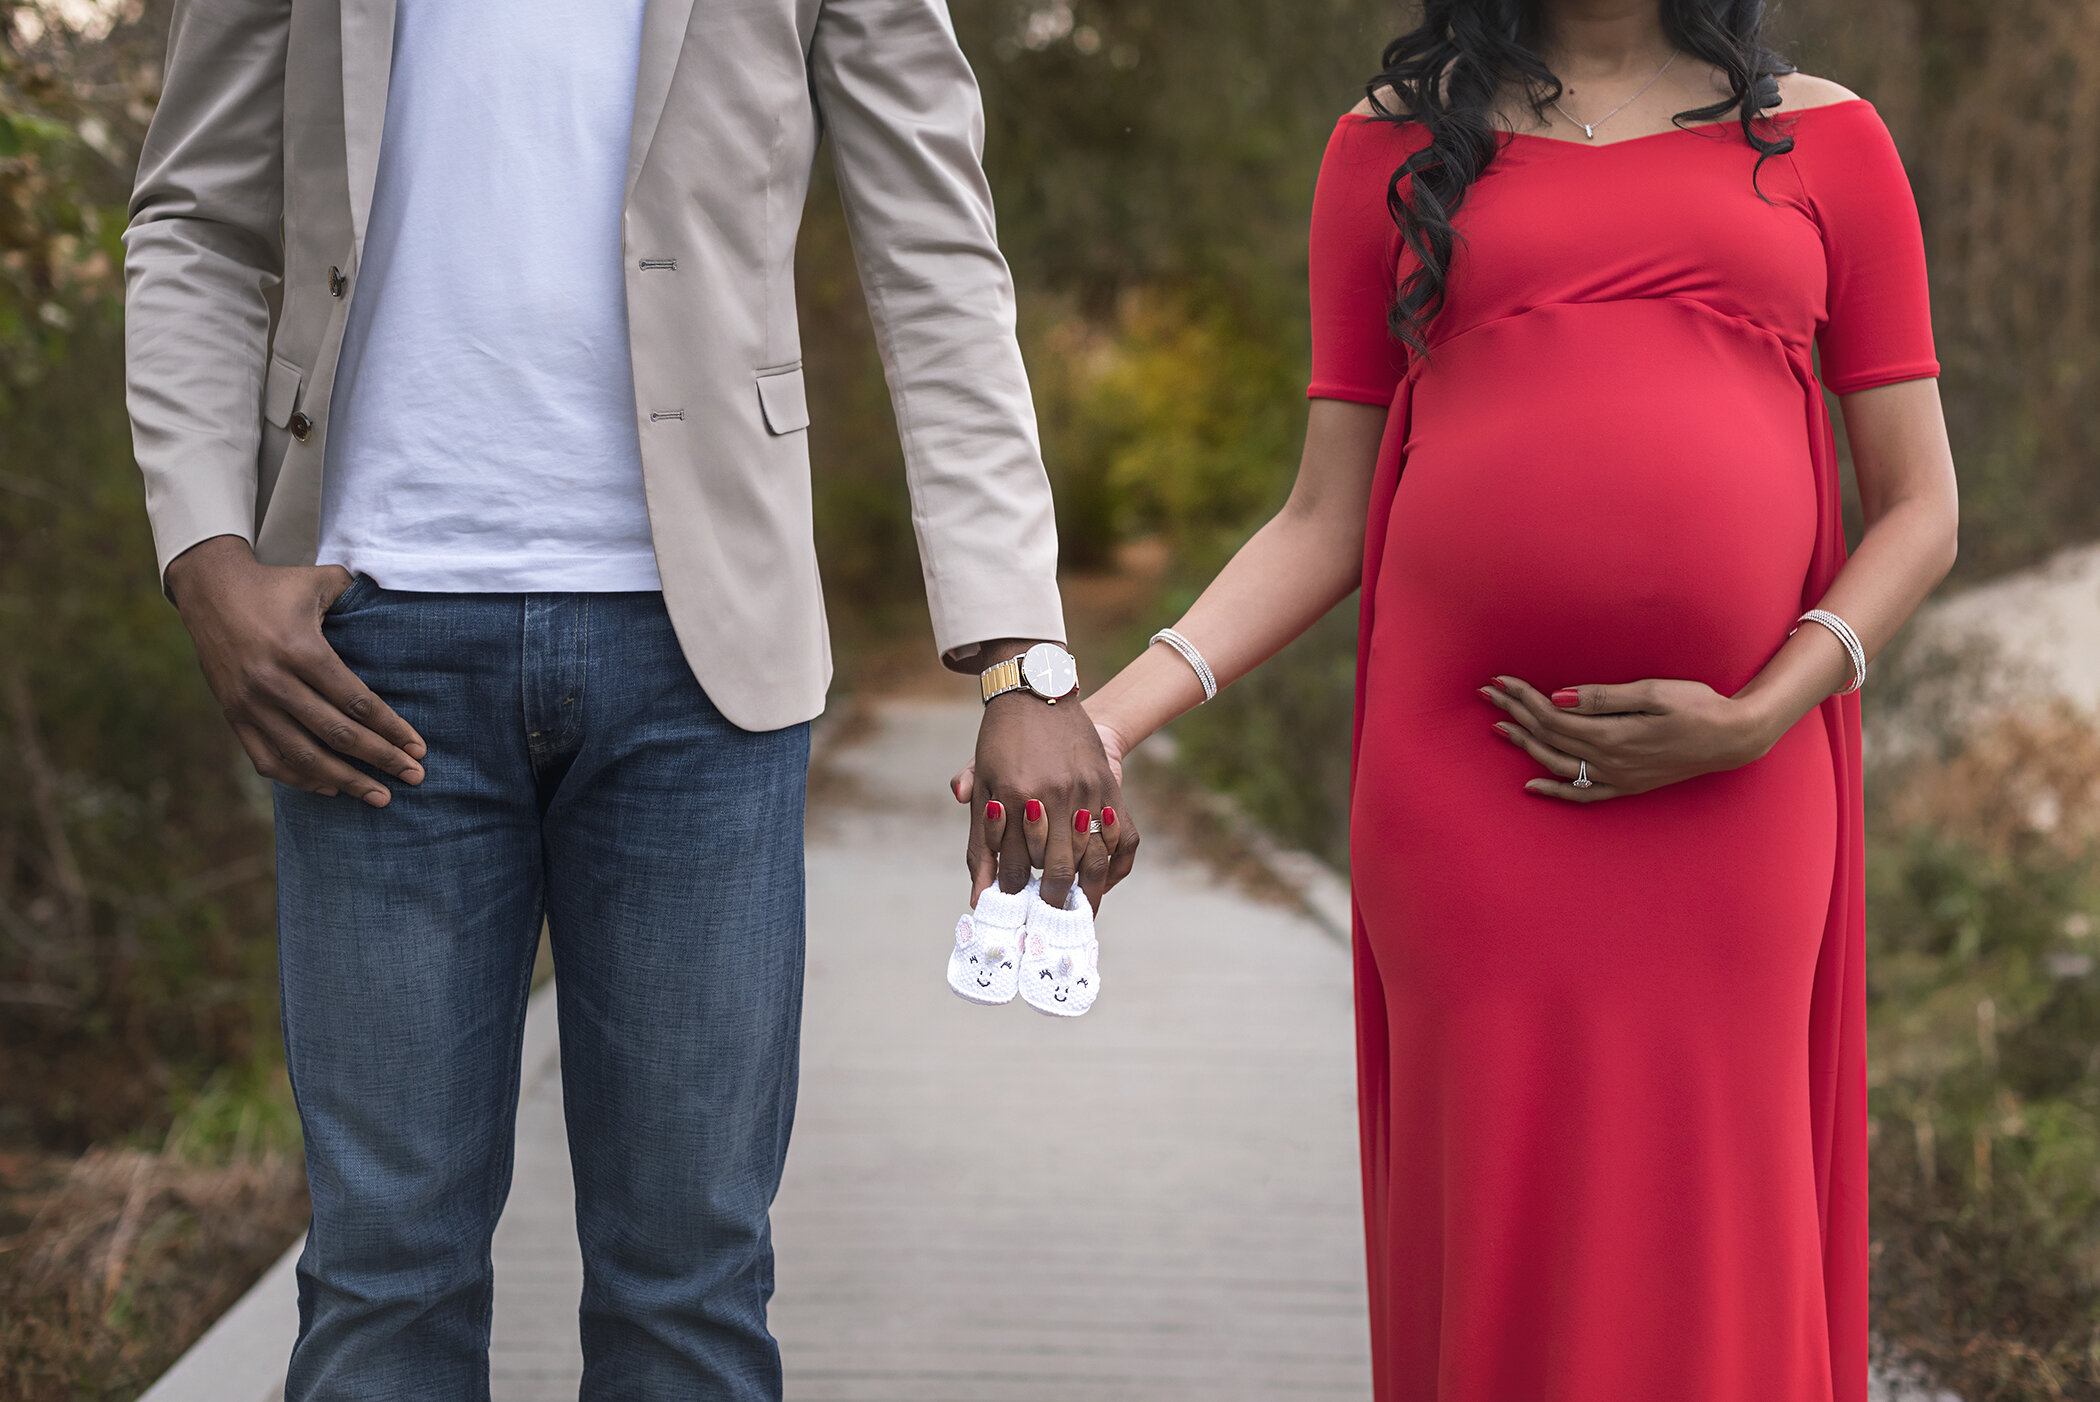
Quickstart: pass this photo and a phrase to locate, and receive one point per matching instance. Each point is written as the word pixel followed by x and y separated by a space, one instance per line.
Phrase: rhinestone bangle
pixel 1194 658
pixel 1846 636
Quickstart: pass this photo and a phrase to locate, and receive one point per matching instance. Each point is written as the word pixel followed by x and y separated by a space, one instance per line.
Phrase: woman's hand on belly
pixel 1631 738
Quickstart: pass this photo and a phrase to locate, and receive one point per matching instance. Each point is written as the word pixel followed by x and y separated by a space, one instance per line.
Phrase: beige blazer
pixel 253 194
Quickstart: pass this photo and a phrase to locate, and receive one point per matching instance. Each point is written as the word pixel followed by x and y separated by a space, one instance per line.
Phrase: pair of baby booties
pixel 1016 943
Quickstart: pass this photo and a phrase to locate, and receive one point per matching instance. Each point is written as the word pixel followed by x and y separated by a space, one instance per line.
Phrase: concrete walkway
pixel 984 1204
pixel 1158 1201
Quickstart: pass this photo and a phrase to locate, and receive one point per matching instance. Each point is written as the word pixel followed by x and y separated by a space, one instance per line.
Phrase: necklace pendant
pixel 1589 132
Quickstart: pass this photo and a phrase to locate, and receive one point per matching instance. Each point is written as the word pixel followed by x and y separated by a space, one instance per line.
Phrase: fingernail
pixel 994 811
pixel 1033 812
pixel 376 797
pixel 415 749
pixel 1082 822
pixel 1108 817
pixel 1567 698
pixel 1496 682
pixel 1505 731
pixel 325 793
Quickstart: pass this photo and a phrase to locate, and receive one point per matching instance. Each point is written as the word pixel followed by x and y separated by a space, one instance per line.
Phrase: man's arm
pixel 907 133
pixel 203 250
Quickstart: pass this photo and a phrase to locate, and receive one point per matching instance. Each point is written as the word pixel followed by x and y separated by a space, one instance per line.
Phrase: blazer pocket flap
pixel 280 392
pixel 781 396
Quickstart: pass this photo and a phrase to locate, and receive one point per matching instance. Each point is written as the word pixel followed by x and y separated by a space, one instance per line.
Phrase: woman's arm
pixel 1298 566
pixel 1906 488
pixel 1302 563
pixel 1646 734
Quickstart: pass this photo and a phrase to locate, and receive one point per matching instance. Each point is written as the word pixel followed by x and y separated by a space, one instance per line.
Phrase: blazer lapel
pixel 368 61
pixel 663 39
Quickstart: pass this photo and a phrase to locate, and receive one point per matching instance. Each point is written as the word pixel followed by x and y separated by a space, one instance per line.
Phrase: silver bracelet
pixel 1845 635
pixel 1194 658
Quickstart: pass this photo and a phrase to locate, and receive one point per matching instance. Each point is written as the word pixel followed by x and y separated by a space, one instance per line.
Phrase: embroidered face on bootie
pixel 991 965
pixel 1064 981
pixel 984 966
pixel 1061 979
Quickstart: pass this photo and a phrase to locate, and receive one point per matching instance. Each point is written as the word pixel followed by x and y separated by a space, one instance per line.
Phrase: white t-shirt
pixel 483 434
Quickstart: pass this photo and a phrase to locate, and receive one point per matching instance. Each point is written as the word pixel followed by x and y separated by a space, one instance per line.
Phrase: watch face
pixel 1049 670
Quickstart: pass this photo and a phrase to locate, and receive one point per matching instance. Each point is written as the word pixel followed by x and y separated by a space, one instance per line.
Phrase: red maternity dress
pixel 1612 1064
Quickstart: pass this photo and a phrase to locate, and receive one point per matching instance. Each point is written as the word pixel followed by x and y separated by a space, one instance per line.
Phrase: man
pixel 465 380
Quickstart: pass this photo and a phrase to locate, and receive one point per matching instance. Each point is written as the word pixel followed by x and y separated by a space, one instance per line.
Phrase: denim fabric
pixel 575 770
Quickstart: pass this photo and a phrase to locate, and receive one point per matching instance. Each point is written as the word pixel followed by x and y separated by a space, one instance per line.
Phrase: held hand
pixel 1634 738
pixel 1042 775
pixel 294 705
pixel 965 781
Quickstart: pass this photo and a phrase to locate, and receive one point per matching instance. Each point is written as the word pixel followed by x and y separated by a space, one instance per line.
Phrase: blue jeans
pixel 576 771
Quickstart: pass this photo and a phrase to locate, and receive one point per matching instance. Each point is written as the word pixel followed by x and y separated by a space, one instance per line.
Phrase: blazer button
pixel 301 427
pixel 337 283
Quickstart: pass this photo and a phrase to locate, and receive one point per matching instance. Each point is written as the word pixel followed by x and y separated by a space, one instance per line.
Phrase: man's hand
pixel 289 698
pixel 1032 753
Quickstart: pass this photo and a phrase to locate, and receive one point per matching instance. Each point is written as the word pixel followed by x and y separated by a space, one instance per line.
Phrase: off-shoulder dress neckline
pixel 1779 114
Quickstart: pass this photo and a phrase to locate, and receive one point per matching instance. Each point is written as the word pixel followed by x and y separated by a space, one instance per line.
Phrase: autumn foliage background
pixel 1153 164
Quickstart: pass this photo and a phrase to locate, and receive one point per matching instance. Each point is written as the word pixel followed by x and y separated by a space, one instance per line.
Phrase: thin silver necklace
pixel 1589 129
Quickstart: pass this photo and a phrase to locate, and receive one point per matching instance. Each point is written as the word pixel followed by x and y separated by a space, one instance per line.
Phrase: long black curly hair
pixel 1446 72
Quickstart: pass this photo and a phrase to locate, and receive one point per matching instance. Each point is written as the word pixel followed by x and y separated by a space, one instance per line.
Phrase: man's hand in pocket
pixel 295 707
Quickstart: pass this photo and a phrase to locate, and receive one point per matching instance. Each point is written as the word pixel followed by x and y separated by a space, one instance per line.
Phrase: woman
pixel 1570 264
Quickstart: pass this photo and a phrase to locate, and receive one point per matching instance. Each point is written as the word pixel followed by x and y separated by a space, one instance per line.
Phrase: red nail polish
pixel 1082 821
pixel 1033 812
pixel 1108 817
pixel 1496 682
pixel 994 811
pixel 1567 698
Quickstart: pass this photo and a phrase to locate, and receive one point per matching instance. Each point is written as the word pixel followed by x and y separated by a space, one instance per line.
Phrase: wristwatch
pixel 1045 669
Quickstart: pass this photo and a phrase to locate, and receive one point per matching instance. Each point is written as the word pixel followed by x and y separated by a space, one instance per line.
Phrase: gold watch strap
pixel 997 681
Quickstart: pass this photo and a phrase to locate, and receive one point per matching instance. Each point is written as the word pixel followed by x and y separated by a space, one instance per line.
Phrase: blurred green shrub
pixel 1984 1057
pixel 134 900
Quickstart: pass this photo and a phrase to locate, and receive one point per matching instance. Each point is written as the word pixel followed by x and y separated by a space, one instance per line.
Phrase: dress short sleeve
pixel 1879 311
pixel 1354 261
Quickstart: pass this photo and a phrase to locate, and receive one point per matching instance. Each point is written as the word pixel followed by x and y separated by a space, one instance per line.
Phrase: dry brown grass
pixel 2028 778
pixel 123 1257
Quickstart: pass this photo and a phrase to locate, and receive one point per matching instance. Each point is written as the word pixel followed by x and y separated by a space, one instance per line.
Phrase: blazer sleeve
pixel 202 253
pixel 907 133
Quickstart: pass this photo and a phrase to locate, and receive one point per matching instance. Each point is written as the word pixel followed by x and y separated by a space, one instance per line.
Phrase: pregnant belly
pixel 1593 494
pixel 1599 493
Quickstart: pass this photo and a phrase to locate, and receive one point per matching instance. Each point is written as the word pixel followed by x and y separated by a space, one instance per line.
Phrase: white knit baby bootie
pixel 1060 958
pixel 985 964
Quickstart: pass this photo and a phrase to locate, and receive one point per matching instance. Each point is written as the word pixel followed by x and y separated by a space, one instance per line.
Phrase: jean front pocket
pixel 360 589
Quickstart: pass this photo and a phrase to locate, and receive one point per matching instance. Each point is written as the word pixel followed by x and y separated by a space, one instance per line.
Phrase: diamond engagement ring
pixel 1582 774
